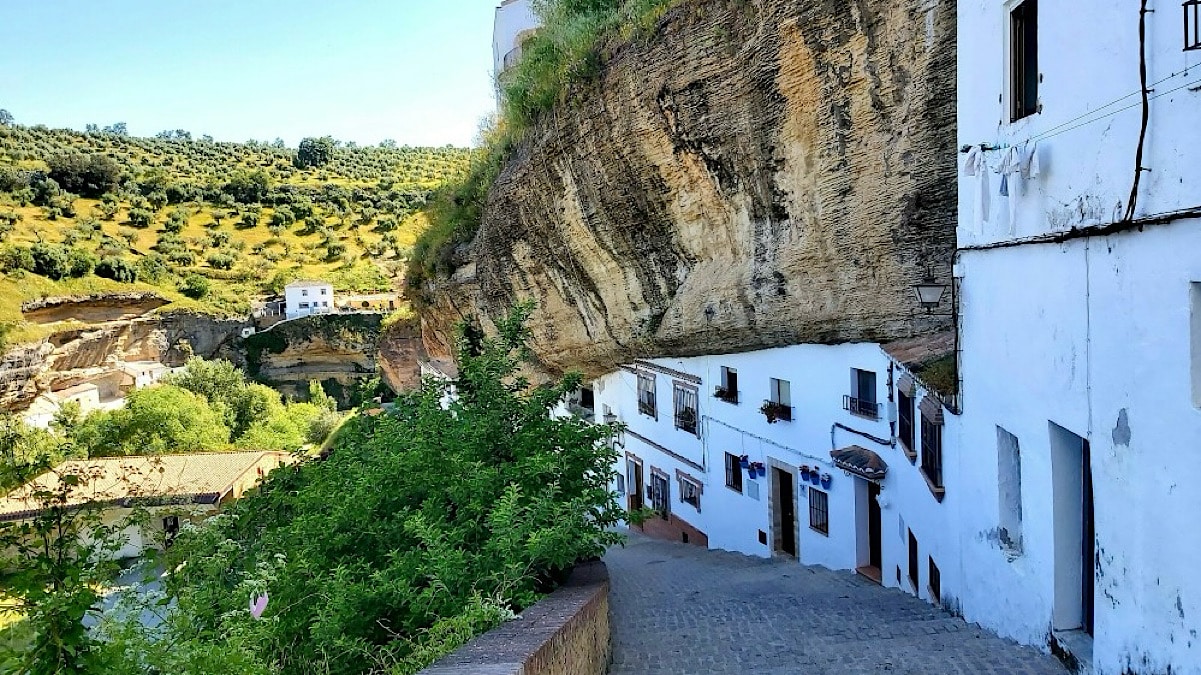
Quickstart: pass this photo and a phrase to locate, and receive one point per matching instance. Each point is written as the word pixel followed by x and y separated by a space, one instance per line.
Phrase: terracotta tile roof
pixel 918 351
pixel 860 461
pixel 200 478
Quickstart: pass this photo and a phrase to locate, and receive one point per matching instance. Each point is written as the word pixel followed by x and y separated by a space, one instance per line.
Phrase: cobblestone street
pixel 680 609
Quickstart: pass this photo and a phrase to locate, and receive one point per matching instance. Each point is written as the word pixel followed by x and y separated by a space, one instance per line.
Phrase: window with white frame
pixel 728 389
pixel 779 404
pixel 646 394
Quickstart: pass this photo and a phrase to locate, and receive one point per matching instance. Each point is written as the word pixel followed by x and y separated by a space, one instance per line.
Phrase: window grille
pixel 1192 25
pixel 819 511
pixel 932 451
pixel 660 495
pixel 646 394
pixel 686 409
pixel 935 582
pixel 733 472
pixel 690 493
pixel 905 421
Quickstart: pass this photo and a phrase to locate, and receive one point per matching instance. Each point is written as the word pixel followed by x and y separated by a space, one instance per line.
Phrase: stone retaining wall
pixel 566 633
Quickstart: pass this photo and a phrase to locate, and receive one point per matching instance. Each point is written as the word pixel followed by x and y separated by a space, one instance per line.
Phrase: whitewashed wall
pixel 512 18
pixel 1097 335
pixel 1089 63
pixel 820 376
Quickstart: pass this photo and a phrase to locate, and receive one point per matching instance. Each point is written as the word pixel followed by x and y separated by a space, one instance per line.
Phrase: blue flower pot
pixel 762 470
pixel 815 478
pixel 744 462
pixel 826 480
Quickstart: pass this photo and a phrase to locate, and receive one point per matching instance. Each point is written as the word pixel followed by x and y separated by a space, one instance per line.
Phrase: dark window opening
pixel 1024 54
pixel 1192 25
pixel 913 560
pixel 819 511
pixel 733 472
pixel 935 582
pixel 905 421
pixel 932 451
pixel 587 398
pixel 728 389
pixel 862 401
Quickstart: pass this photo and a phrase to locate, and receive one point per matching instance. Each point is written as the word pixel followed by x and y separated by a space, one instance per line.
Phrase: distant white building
pixel 515 22
pixel 307 297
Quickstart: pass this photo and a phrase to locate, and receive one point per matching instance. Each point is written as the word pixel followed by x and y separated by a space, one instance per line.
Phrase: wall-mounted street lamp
pixel 929 292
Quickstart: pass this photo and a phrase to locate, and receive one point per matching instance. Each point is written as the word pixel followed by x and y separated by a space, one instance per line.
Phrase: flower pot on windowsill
pixel 774 411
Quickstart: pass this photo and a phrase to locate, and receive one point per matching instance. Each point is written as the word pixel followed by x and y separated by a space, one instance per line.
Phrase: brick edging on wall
pixel 565 633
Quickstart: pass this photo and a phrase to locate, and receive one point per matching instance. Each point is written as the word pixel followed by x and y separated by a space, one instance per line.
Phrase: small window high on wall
pixel 1023 55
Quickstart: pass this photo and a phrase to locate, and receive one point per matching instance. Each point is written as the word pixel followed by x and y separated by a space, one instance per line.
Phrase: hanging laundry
pixel 977 165
pixel 1030 165
pixel 1011 161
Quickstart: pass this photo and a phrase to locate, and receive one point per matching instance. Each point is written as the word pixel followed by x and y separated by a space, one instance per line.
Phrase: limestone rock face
pixel 337 350
pixel 752 174
pixel 95 353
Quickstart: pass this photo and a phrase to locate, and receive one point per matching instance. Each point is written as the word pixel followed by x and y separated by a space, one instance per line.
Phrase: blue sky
pixel 417 71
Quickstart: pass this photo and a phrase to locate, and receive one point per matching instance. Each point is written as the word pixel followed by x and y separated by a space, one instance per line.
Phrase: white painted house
pixel 515 22
pixel 307 297
pixel 836 479
pixel 1081 328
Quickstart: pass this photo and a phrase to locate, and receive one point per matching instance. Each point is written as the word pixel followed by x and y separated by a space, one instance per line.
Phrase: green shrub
pixel 194 286
pixel 117 269
pixel 80 262
pixel 422 528
pixel 50 260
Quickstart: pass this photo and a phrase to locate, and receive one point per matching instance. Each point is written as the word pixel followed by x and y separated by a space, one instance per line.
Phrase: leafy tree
pixel 140 218
pixel 155 420
pixel 8 223
pixel 118 129
pixel 90 175
pixel 50 260
pixel 314 152
pixel 221 261
pixel 117 269
pixel 80 262
pixel 16 259
pixel 6 118
pixel 249 187
pixel 107 210
pixel 194 286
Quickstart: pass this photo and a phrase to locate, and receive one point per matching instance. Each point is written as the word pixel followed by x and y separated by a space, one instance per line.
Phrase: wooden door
pixel 786 506
pixel 874 556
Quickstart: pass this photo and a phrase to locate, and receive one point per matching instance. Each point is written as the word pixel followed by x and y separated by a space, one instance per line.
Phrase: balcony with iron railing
pixel 726 394
pixel 861 407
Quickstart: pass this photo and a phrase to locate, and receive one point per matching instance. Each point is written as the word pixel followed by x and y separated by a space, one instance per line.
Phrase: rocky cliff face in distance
pixel 752 174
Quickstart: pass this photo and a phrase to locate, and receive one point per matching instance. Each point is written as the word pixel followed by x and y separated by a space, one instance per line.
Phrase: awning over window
pixel 860 461
pixel 931 409
pixel 906 384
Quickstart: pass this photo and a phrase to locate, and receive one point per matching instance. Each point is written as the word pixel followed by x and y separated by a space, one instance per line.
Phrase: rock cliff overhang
pixel 752 174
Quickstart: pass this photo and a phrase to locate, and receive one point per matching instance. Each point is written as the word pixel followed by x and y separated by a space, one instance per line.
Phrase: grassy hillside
pixel 208 225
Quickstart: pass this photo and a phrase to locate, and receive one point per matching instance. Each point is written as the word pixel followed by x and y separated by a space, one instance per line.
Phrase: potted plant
pixel 775 411
pixel 826 478
pixel 744 461
pixel 805 473
pixel 725 394
pixel 815 478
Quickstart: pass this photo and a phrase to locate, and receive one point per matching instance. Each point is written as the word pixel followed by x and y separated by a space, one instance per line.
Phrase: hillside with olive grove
pixel 208 226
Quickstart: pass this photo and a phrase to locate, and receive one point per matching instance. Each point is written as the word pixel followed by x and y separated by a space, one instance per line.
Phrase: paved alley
pixel 680 609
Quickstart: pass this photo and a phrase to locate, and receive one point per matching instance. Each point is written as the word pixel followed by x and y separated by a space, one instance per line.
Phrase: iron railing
pixel 861 407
